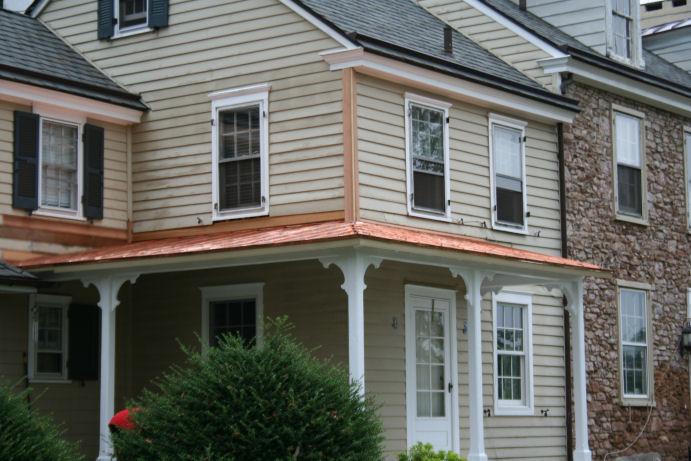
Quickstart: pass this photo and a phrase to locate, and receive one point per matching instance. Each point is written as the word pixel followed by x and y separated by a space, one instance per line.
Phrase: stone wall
pixel 657 254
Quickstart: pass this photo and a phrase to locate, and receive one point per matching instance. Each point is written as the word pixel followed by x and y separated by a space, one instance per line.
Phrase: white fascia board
pixel 515 28
pixel 440 83
pixel 619 84
pixel 29 94
pixel 39 8
pixel 319 24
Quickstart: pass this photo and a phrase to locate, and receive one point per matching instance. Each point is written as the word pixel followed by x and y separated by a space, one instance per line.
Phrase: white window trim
pixel 65 117
pixel 229 293
pixel 628 399
pixel 687 178
pixel 131 30
pixel 231 99
pixel 36 300
pixel 524 299
pixel 636 59
pixel 622 216
pixel 501 120
pixel 410 99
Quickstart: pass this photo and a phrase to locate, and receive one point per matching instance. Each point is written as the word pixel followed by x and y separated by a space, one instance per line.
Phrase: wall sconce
pixel 685 343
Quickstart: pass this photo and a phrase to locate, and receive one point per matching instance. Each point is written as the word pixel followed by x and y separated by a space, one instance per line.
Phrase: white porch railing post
pixel 473 281
pixel 574 295
pixel 108 288
pixel 353 266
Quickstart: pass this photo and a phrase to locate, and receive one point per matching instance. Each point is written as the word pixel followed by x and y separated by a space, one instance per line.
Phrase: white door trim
pixel 411 398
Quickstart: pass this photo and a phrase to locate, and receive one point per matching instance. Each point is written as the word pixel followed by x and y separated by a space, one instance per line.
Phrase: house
pixel 666 26
pixel 380 178
pixel 627 208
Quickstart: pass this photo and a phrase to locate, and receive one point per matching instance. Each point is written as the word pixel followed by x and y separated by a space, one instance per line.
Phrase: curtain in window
pixel 59 165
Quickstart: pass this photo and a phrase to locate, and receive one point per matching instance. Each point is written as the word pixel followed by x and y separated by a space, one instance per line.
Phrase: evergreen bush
pixel 27 436
pixel 240 402
pixel 425 452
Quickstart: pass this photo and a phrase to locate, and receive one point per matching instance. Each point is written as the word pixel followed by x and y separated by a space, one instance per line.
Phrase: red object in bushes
pixel 121 420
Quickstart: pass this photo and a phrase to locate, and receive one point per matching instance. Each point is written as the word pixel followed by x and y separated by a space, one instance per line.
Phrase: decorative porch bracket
pixel 353 265
pixel 573 290
pixel 108 289
pixel 473 281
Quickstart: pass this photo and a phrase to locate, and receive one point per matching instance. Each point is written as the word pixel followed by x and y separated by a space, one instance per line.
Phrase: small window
pixel 630 167
pixel 48 338
pixel 427 157
pixel 687 152
pixel 635 351
pixel 234 309
pixel 513 391
pixel 624 38
pixel 507 154
pixel 122 18
pixel 240 153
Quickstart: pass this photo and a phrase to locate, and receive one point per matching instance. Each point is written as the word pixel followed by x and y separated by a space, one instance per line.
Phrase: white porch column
pixel 353 265
pixel 473 281
pixel 574 294
pixel 108 288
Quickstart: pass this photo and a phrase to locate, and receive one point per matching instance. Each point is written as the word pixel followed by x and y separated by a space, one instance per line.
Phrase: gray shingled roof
pixel 657 71
pixel 15 275
pixel 32 54
pixel 405 31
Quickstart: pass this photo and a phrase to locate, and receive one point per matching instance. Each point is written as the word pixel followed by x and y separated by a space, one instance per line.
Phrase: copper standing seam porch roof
pixel 300 234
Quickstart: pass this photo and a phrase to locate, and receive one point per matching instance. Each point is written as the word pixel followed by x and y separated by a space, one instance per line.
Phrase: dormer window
pixel 624 40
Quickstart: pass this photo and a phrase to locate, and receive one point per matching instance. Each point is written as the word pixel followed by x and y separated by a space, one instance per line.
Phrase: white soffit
pixel 28 94
pixel 440 83
pixel 619 84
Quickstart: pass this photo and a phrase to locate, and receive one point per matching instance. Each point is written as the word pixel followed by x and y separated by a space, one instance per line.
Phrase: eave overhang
pixel 609 78
pixel 302 242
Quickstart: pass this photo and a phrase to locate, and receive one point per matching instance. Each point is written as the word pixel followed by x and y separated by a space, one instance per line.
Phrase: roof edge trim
pixel 317 22
pixel 395 70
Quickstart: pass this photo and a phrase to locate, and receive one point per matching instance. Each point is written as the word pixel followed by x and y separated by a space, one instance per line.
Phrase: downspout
pixel 129 183
pixel 565 80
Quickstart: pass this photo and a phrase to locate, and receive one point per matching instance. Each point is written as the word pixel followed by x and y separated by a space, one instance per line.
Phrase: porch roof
pixel 301 234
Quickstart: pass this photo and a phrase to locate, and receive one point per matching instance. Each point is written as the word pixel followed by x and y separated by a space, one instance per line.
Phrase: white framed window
pixel 624 37
pixel 240 158
pixel 508 177
pixel 635 349
pixel 427 157
pixel 513 355
pixel 131 16
pixel 630 184
pixel 235 309
pixel 48 338
pixel 687 169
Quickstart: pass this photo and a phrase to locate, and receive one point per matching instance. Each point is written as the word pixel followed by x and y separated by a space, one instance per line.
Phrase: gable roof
pixel 33 55
pixel 403 30
pixel 657 71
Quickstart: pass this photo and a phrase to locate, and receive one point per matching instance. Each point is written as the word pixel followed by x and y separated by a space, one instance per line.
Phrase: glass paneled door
pixel 430 368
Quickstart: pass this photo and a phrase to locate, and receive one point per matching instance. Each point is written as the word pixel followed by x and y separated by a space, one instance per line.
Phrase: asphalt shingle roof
pixel 32 54
pixel 13 274
pixel 405 31
pixel 657 71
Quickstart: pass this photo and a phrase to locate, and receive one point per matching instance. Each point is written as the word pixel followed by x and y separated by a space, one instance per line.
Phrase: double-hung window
pixel 507 153
pixel 132 13
pixel 427 152
pixel 635 354
pixel 624 31
pixel 629 157
pixel 120 18
pixel 48 338
pixel 232 309
pixel 513 376
pixel 240 152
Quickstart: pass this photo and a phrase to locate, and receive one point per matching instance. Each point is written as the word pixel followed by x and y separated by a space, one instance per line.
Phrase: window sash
pixel 509 198
pixel 49 342
pixel 634 341
pixel 132 13
pixel 622 27
pixel 629 164
pixel 428 167
pixel 59 164
pixel 511 353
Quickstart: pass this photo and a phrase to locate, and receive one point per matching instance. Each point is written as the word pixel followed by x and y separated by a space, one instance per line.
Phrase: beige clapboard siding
pixel 546 436
pixel 492 36
pixel 211 46
pixel 381 156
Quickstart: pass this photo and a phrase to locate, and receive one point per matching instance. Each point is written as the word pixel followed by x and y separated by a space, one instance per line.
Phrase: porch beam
pixel 353 265
pixel 108 288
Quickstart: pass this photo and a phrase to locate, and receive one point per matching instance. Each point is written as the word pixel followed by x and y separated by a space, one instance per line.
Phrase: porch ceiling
pixel 303 241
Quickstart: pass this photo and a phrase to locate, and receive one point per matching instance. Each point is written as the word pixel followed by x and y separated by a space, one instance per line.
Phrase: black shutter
pixel 25 180
pixel 106 19
pixel 84 342
pixel 158 14
pixel 93 172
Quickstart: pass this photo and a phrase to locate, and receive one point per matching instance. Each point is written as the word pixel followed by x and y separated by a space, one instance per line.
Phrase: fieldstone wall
pixel 658 254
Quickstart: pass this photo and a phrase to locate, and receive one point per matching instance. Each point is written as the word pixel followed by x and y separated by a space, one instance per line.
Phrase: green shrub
pixel 420 452
pixel 273 402
pixel 25 435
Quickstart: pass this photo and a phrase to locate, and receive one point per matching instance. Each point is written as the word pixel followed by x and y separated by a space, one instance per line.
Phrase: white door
pixel 431 377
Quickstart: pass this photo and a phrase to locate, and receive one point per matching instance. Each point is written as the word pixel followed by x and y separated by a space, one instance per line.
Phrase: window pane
pixel 438 409
pixel 49 363
pixel 59 165
pixel 507 152
pixel 509 206
pixel 628 139
pixel 635 370
pixel 423 405
pixel 428 191
pixel 630 190
pixel 236 317
pixel 633 312
pixel 132 12
pixel 423 377
pixel 422 323
pixel 437 377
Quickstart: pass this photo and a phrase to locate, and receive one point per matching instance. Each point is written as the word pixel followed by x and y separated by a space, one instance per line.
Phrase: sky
pixel 17 5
